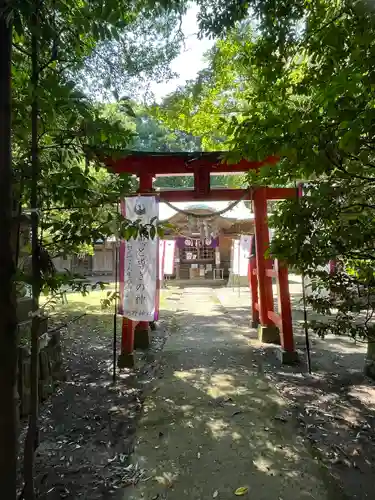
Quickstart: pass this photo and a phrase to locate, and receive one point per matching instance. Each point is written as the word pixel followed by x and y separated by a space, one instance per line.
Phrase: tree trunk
pixel 8 317
pixel 32 437
pixel 370 359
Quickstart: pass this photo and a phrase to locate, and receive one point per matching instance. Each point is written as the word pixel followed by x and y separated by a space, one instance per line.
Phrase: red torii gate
pixel 272 327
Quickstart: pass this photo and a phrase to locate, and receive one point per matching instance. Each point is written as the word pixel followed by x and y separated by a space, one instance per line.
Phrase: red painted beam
pixel 145 183
pixel 180 164
pixel 280 193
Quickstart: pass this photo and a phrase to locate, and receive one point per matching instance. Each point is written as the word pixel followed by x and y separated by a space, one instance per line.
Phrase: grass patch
pixel 91 303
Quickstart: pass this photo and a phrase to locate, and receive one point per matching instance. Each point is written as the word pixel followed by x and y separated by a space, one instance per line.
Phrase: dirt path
pixel 213 423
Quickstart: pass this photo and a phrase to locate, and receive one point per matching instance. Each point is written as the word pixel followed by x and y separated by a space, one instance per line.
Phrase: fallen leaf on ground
pixel 236 413
pixel 282 419
pixel 215 494
pixel 240 492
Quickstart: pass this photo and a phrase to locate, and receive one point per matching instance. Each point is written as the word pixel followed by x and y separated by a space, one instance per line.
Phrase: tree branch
pixel 21 49
pixel 361 205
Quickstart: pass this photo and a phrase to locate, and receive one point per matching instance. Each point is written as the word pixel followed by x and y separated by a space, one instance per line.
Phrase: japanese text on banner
pixel 140 263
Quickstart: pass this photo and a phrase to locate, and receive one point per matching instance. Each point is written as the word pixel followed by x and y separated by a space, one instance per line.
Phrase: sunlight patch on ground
pixel 215 386
pixel 167 479
pixel 365 394
pixel 219 428
pixel 264 465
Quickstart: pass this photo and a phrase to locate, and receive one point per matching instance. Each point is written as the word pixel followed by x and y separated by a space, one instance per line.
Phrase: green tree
pixel 135 56
pixel 312 105
pixel 203 107
pixel 55 127
pixel 301 86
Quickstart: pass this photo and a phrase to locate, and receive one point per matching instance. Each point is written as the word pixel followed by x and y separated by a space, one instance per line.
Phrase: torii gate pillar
pixel 275 328
pixel 266 329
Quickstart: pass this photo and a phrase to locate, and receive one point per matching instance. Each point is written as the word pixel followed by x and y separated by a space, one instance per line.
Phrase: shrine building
pixel 204 235
pixel 197 256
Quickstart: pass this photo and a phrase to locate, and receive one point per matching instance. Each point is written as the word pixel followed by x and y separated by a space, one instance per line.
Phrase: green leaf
pixel 127 108
pixel 243 490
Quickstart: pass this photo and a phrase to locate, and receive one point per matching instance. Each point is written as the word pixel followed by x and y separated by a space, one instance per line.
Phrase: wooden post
pixel 161 278
pixel 267 331
pixel 288 353
pixel 201 183
pixel 253 282
pixel 126 358
pixel 145 183
pixel 285 310
pixel 141 335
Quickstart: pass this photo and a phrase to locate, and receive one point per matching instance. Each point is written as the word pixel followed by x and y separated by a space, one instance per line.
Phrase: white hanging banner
pixel 161 257
pixel 236 257
pixel 245 248
pixel 169 250
pixel 217 257
pixel 140 262
pixel 241 255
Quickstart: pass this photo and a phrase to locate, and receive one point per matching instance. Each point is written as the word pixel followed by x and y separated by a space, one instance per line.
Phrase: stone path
pixel 213 423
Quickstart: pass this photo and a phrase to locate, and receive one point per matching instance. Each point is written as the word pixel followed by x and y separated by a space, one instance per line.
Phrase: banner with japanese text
pixel 140 263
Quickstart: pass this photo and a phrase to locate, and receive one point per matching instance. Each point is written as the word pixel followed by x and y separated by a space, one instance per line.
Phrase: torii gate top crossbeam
pixel 163 164
pixel 201 165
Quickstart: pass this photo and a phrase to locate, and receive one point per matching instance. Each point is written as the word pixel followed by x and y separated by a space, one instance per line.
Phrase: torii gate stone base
pixel 273 327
